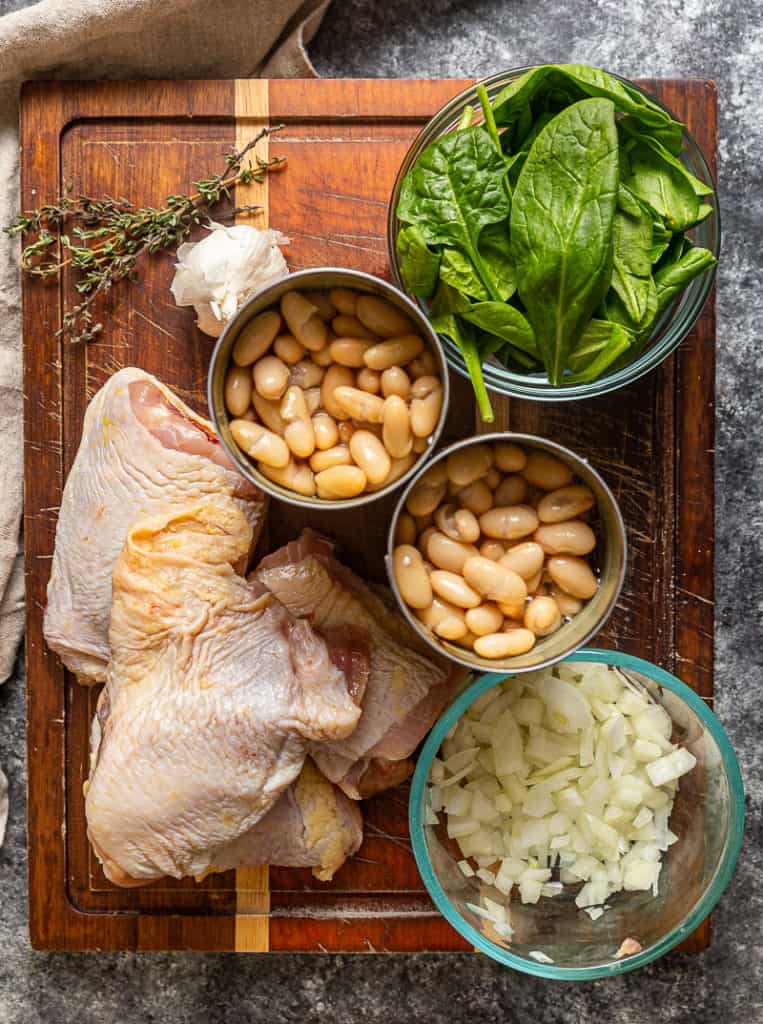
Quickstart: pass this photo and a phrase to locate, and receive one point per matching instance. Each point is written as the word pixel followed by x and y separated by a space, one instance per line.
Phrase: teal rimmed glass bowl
pixel 671 328
pixel 708 817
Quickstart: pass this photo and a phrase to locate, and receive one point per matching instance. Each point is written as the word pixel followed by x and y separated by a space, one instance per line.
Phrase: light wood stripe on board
pixel 252 933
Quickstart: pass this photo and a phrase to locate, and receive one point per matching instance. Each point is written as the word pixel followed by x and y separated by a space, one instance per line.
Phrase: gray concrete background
pixel 721 39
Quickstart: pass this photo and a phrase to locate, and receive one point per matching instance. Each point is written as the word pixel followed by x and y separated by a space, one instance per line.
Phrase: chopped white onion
pixel 566 777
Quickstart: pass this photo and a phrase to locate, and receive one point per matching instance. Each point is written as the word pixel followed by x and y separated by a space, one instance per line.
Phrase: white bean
pixel 256 338
pixel 446 553
pixel 299 433
pixel 395 381
pixel 509 522
pixel 424 386
pixel 492 549
pixel 572 574
pixel 238 390
pixel 325 430
pixel 327 458
pixel 269 412
pixel 313 400
pixel 304 321
pixel 526 559
pixel 512 490
pixel 493 580
pixel 349 351
pixel 344 299
pixel 260 443
pixel 411 576
pixel 359 404
pixel 451 628
pixel 546 472
pixel 467 525
pixel 424 365
pixel 477 497
pixel 425 495
pixel 469 464
pixel 505 645
pixel 335 377
pixel 340 482
pixel 425 412
pixel 437 611
pixel 345 326
pixel 509 458
pixel 271 377
pixel 542 616
pixel 322 357
pixel 454 588
pixel 369 380
pixel 382 317
pixel 568 605
pixel 487 618
pixel 445 517
pixel 296 476
pixel 565 503
pixel 493 478
pixel 571 537
pixel 405 529
pixel 371 455
pixel 396 427
pixel 288 349
pixel 394 352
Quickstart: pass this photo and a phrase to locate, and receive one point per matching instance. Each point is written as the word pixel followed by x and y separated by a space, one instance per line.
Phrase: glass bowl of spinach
pixel 560 228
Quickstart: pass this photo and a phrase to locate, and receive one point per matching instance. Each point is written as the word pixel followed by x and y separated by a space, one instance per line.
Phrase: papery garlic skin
pixel 220 272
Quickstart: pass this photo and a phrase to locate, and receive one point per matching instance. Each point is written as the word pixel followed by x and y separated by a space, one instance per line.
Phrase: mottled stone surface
pixel 722 39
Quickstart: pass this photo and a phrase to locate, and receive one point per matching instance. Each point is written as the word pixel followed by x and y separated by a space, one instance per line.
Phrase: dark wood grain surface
pixel 344 140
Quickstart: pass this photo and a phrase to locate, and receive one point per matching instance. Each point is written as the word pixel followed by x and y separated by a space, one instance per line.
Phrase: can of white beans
pixel 328 389
pixel 506 552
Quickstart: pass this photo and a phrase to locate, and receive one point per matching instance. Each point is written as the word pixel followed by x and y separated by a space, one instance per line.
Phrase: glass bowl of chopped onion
pixel 464 306
pixel 579 821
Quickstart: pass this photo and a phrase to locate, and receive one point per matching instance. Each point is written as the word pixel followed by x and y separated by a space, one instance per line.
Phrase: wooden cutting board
pixel 344 141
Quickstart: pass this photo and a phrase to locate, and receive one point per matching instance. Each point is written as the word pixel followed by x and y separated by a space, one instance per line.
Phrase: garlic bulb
pixel 219 273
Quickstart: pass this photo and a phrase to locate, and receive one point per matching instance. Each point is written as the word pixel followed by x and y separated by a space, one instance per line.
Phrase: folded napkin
pixel 90 39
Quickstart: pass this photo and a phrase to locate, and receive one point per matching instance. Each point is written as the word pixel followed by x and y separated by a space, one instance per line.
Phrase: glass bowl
pixel 552 938
pixel 671 328
pixel 307 280
pixel 611 560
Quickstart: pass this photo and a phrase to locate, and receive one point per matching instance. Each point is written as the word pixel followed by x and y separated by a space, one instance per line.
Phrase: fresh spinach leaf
pixel 674 277
pixel 514 358
pixel 504 322
pixel 457 270
pixel 447 300
pixel 590 82
pixel 454 190
pixel 598 336
pixel 616 312
pixel 632 266
pixel 495 248
pixel 636 132
pixel 660 240
pixel 601 345
pixel 664 189
pixel 561 226
pixel 419 266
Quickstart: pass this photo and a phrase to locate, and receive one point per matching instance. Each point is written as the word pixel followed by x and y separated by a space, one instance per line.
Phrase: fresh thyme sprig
pixel 107 236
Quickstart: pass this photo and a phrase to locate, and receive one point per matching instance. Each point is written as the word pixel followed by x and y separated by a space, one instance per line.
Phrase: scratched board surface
pixel 344 141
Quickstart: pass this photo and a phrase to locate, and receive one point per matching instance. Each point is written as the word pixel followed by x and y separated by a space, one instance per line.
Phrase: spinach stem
pixel 474 366
pixel 492 130
pixel 487 112
pixel 466 118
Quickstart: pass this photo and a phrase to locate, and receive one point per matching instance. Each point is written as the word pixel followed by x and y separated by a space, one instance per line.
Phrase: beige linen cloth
pixel 109 39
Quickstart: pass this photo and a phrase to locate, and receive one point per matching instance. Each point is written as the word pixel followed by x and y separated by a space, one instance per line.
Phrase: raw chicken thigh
pixel 313 825
pixel 213 694
pixel 143 452
pixel 408 685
